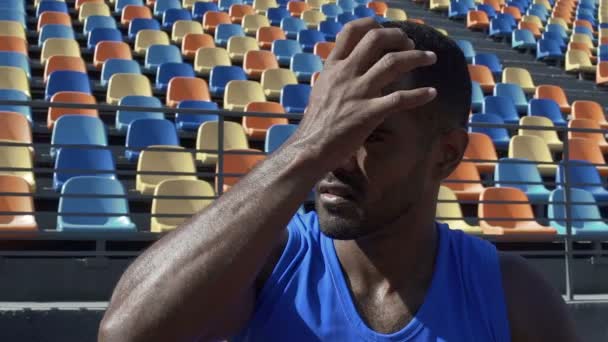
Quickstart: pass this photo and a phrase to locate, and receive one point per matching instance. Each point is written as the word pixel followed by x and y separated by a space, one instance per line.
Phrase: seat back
pixel 585 149
pixel 146 38
pixel 121 85
pixel 15 203
pixel 15 127
pixel 13 94
pixel 503 214
pixel 520 77
pixel 587 124
pixel 55 63
pixel 465 176
pixel 240 164
pixel 110 50
pixel 125 117
pixel 79 161
pixel 513 172
pixel 185 206
pixel 78 130
pixel 148 132
pixel 584 213
pixel 60 47
pixel 170 159
pixel 187 88
pixel 194 41
pixel 239 93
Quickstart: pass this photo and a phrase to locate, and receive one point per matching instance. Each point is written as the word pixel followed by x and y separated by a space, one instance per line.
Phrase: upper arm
pixel 536 310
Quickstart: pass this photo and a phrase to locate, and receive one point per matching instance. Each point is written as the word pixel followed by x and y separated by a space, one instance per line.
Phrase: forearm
pixel 183 279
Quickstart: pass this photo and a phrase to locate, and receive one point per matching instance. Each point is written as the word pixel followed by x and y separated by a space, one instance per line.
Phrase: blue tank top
pixel 306 298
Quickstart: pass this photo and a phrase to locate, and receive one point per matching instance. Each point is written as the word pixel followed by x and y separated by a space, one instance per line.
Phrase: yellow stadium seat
pixel 534 20
pixel 183 27
pixel 18 157
pixel 14 78
pixel 252 22
pixel 451 213
pixel 316 4
pixel 121 85
pixel 395 14
pixel 534 149
pixel 185 206
pixel 442 31
pixel 561 22
pixel 171 159
pixel 584 39
pixel 207 138
pixel 239 93
pixel 578 61
pixel 273 81
pixel 312 18
pixel 238 46
pixel 145 38
pixel 260 6
pixel 59 47
pixel 239 164
pixel 520 77
pixel 93 8
pixel 544 3
pixel 549 136
pixel 439 5
pixel 12 29
pixel 208 57
pixel 189 3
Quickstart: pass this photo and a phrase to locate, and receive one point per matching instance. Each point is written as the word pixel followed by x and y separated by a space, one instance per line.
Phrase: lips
pixel 337 190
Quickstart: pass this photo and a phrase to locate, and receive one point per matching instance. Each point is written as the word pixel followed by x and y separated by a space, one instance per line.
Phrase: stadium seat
pixel 59 46
pixel 16 59
pixel 477 20
pixel 163 160
pixel 588 124
pixel 500 136
pixel 510 221
pixel 467 49
pixel 520 77
pixel 121 85
pixel 523 175
pixel 602 53
pixel 109 50
pixel 556 36
pixel 223 32
pixel 589 110
pixel 547 108
pixel 118 66
pixel 549 135
pixel 501 106
pixel 362 11
pixel 491 61
pixel 238 46
pixel 578 61
pixel 142 133
pixel 273 81
pixel 15 127
pixel 379 7
pixel 207 139
pixel 522 39
pixel 113 209
pixel 66 80
pixel 346 17
pixel 139 24
pixel 482 75
pixel 54 113
pixel 296 8
pixel 332 10
pixel 220 75
pixel 119 5
pixel 159 54
pixel 500 28
pixel 239 93
pixel 276 135
pixel 194 41
pixel 532 27
pixel 347 5
pixel 449 211
pixel 239 164
pixel 465 182
pixel 549 50
pixel 208 57
pixel 12 29
pixel 55 31
pixel 515 93
pixel 313 17
pixel 284 50
pixel 256 127
pixel 554 93
pixel 585 218
pixel 131 12
pixel 252 22
pixel 201 7
pixel 256 62
pixel 308 39
pixel 458 9
pixel 77 130
pixel 584 39
pixel 582 175
pixel 304 65
pixel 183 27
pixel 534 149
pixel 276 15
pixel 16 204
pixel 79 161
pixel 330 29
pixel 166 71
pixel 103 34
pixel 294 97
pixel 191 122
pixel 147 38
pixel 267 35
pixel 17 157
pixel 91 9
pixel 480 148
pixel 395 14
pixel 53 18
pixel 187 88
pixel 160 6
pixel 476 97
pixel 238 11
pixel 588 150
pixel 192 189
pixel 12 94
pixel 490 11
pixel 292 26
pixel 124 117
pixel 14 78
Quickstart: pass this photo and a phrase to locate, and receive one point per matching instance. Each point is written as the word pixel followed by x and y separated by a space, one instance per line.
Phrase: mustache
pixel 349 179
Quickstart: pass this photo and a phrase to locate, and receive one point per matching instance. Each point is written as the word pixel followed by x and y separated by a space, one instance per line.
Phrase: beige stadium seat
pixel 171 159
pixel 12 29
pixel 583 39
pixel 121 85
pixel 207 138
pixel 59 47
pixel 395 14
pixel 185 206
pixel 189 3
pixel 534 149
pixel 312 18
pixel 14 78
pixel 439 5
pixel 451 213
pixel 252 22
pixel 183 27
pixel 549 136
pixel 93 8
pixel 316 4
pixel 273 81
pixel 238 46
pixel 519 76
pixel 578 61
pixel 534 20
pixel 145 38
pixel 239 93
pixel 18 157
pixel 208 57
pixel 261 6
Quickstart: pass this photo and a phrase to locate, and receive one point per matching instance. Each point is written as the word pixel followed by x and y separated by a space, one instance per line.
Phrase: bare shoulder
pixel 536 310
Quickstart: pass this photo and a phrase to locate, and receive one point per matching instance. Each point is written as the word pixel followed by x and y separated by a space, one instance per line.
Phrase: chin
pixel 340 223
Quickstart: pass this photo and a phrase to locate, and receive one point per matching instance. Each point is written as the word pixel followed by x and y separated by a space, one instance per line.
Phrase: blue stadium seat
pixel 276 135
pixel 220 76
pixel 51 6
pixel 308 39
pixel 346 17
pixel 549 109
pixel 476 97
pixel 459 9
pixel 158 54
pixel 560 30
pixel 582 175
pixel 467 49
pixel 55 31
pixel 304 65
pixel 331 11
pixel 488 9
pixel 139 24
pixel 190 122
pixel 147 132
pixel 88 203
pixel 549 50
pixel 13 16
pixel 519 4
pixel 120 4
pixel 508 18
pixel 330 29
pixel 514 92
pixel 602 53
pixel 125 117
pixel 100 34
pixel 586 16
pixel 160 6
pixel 511 172
pixel 555 36
pixel 294 97
pixel 586 221
pixel 292 26
pixel 584 30
pixel 224 5
pixel 95 21
pixel 223 32
pixel 284 49
pixel 15 95
pixel 275 15
pixel 16 59
pixel 78 161
pixel 347 5
pixel 199 8
pixel 491 61
pixel 363 12
pixel 174 14
pixel 166 71
pixel 500 28
pixel 500 136
pixel 14 6
pixel 523 40
pixel 78 130
pixel 118 66
pixel 501 106
pixel 539 11
pixel 66 80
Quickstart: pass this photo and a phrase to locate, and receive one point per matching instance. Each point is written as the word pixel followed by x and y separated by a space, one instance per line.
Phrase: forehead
pixel 405 119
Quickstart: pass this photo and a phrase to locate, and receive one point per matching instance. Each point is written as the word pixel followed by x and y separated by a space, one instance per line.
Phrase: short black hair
pixel 450 75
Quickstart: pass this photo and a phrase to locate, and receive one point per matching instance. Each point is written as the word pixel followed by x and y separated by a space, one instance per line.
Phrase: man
pixel 385 124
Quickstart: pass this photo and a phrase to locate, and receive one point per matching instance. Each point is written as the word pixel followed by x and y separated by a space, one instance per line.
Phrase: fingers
pixel 377 43
pixel 349 36
pixel 393 65
pixel 402 100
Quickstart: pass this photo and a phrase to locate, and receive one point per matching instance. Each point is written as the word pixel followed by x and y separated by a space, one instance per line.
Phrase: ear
pixel 452 145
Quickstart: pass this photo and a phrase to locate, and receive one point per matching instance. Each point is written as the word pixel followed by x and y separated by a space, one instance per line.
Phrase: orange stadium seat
pixel 589 150
pixel 514 222
pixel 555 93
pixel 256 62
pixel 194 41
pixel 15 127
pixel 477 20
pixel 416 21
pixel 512 10
pixel 296 8
pixel 601 75
pixel 481 147
pixel 256 127
pixel 495 4
pixel 532 27
pixel 238 11
pixel 323 49
pixel 187 88
pixel 482 75
pixel 55 113
pixel 588 124
pixel 237 164
pixel 466 181
pixel 105 50
pixel 54 18
pixel 63 63
pixel 268 34
pixel 212 18
pixel 16 204
pixel 131 12
pixel 589 110
pixel 13 44
pixel 379 7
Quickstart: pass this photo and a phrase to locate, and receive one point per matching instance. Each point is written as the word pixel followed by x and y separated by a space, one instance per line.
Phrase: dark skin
pixel 200 281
